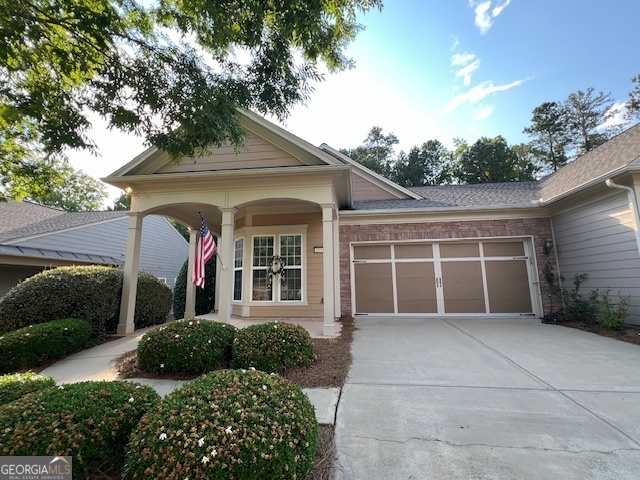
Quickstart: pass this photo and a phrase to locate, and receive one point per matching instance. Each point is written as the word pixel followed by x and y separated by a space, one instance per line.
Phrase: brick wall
pixel 539 228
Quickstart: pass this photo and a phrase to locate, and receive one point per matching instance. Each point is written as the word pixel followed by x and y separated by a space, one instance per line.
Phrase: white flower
pixel 228 430
pixel 131 400
pixel 28 334
pixel 205 460
pixel 190 323
pixel 162 365
pixel 61 387
pixel 201 442
pixel 252 369
pixel 264 387
pixel 177 335
pixel 243 370
pixel 272 374
pixel 209 341
pixel 163 436
pixel 214 453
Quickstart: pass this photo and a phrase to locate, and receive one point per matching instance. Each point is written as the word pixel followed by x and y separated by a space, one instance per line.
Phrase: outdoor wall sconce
pixel 128 190
pixel 547 246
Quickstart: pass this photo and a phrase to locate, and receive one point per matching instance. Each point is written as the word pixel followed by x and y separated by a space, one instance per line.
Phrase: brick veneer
pixel 539 228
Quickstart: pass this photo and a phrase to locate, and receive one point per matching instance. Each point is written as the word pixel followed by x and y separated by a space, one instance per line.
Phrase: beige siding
pixel 256 153
pixel 314 309
pixel 364 190
pixel 599 239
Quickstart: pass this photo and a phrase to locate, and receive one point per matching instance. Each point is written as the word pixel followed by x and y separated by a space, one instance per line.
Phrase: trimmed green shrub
pixel 205 298
pixel 89 292
pixel 227 424
pixel 14 386
pixel 186 346
pixel 91 421
pixel 33 345
pixel 272 347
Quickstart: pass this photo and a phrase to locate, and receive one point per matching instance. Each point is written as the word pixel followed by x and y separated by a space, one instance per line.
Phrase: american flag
pixel 206 249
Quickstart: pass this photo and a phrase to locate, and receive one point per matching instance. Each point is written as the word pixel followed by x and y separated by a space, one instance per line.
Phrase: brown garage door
pixel 487 277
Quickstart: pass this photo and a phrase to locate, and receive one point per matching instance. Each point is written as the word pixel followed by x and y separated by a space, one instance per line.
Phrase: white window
pixel 283 287
pixel 237 269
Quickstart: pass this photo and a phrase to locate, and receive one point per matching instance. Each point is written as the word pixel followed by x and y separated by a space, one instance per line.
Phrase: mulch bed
pixel 330 370
pixel 626 333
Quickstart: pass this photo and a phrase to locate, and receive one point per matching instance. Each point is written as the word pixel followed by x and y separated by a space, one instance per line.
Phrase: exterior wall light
pixel 547 246
pixel 128 190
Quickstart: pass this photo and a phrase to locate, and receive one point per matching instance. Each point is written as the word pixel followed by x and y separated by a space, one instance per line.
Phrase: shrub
pixel 12 387
pixel 31 346
pixel 272 347
pixel 153 301
pixel 578 307
pixel 612 315
pixel 89 292
pixel 186 346
pixel 91 421
pixel 205 299
pixel 227 424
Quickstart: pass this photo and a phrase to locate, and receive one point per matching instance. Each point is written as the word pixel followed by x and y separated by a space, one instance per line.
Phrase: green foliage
pixel 551 286
pixel 550 135
pixel 612 315
pixel 429 164
pixel 633 104
pixel 585 113
pixel 153 301
pixel 16 385
pixel 377 152
pixel 62 60
pixel 89 292
pixel 205 297
pixel 578 307
pixel 272 347
pixel 186 346
pixel 121 204
pixel 227 424
pixel 33 345
pixel 90 421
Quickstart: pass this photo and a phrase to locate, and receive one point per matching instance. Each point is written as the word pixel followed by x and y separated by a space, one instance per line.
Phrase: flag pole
pixel 217 254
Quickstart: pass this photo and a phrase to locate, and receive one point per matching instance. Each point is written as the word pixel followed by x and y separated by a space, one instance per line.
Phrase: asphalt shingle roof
pixel 18 214
pixel 59 222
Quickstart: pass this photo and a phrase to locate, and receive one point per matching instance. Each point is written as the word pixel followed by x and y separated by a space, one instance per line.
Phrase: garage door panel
pixel 508 286
pixel 372 252
pixel 414 251
pixel 463 288
pixel 416 288
pixel 503 249
pixel 374 288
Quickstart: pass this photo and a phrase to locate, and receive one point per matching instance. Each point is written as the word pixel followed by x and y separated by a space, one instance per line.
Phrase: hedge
pixel 89 292
pixel 33 345
pixel 205 298
pixel 16 385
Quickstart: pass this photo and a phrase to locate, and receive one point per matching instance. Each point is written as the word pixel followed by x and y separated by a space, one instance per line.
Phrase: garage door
pixel 487 277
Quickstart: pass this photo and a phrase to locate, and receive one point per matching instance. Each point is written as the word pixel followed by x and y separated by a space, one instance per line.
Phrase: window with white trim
pixel 237 269
pixel 285 287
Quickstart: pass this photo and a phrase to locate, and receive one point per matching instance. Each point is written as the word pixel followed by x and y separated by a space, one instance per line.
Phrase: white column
pixel 226 256
pixel 336 266
pixel 216 293
pixel 190 294
pixel 328 326
pixel 130 280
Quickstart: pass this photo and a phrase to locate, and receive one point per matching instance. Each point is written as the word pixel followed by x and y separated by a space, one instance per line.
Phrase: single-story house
pixel 355 243
pixel 35 237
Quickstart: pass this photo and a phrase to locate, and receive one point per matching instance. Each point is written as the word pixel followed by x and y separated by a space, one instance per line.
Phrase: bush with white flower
pixel 273 347
pixel 14 386
pixel 186 346
pixel 227 424
pixel 90 421
pixel 33 345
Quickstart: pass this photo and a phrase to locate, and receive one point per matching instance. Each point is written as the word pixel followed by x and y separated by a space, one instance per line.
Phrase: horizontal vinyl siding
pixel 364 190
pixel 162 251
pixel 599 239
pixel 256 153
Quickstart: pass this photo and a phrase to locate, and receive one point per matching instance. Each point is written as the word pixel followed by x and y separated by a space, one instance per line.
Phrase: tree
pixel 490 160
pixel 550 135
pixel 61 60
pixel 633 104
pixel 429 164
pixel 376 153
pixel 121 204
pixel 586 112
pixel 53 182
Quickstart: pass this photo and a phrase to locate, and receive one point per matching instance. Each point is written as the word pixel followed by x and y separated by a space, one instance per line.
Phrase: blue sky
pixel 440 69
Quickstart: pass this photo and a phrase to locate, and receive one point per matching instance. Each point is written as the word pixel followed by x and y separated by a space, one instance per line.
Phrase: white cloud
pixel 466 71
pixel 462 58
pixel 617 118
pixel 486 12
pixel 477 93
pixel 483 112
pixel 469 63
pixel 456 43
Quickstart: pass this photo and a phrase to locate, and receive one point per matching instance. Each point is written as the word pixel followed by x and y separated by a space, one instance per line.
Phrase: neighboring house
pixel 34 237
pixel 355 243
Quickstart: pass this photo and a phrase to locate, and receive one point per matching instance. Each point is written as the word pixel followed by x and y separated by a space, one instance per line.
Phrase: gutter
pixel 633 204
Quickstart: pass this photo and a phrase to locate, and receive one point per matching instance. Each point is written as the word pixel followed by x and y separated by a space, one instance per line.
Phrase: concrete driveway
pixel 487 399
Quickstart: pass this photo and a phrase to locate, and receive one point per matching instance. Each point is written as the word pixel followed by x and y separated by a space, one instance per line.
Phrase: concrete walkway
pixel 98 364
pixel 488 399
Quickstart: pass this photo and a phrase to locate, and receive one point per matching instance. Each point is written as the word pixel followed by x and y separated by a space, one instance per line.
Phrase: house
pixel 355 243
pixel 34 237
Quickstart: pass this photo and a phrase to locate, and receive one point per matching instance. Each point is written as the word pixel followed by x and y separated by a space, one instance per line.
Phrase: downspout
pixel 633 204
